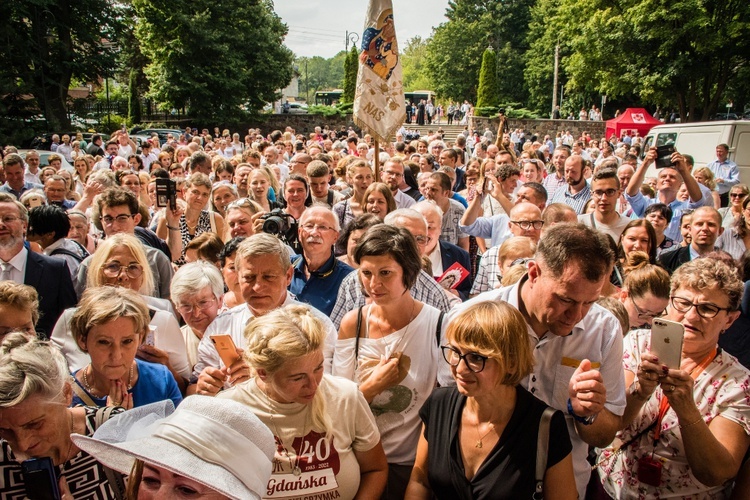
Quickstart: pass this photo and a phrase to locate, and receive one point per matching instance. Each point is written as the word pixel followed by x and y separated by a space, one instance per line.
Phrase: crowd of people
pixel 309 316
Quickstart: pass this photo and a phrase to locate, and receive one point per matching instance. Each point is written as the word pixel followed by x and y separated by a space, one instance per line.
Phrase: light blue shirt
pixel 639 203
pixel 726 170
pixel 495 227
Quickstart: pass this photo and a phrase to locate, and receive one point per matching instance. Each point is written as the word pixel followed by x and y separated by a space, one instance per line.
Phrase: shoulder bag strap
pixel 439 328
pixel 212 218
pixel 356 338
pixel 114 478
pixel 542 444
pixel 81 393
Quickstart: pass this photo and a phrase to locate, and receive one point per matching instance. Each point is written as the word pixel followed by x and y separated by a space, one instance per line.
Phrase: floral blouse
pixel 722 389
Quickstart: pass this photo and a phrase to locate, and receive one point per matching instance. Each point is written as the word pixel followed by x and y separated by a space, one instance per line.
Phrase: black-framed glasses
pixel 737 195
pixel 601 192
pixel 474 362
pixel 114 270
pixel 705 309
pixel 645 314
pixel 528 224
pixel 108 220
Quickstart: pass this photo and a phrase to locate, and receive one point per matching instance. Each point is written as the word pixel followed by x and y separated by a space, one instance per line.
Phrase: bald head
pixel 526 220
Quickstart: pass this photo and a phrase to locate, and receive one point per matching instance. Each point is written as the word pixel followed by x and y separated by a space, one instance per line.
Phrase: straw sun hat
pixel 217 442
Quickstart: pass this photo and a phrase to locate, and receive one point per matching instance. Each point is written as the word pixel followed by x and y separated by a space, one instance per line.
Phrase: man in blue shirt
pixel 726 173
pixel 317 272
pixel 668 182
pixel 14 177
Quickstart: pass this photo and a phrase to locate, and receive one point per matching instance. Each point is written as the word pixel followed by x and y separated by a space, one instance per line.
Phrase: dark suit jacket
pixel 450 254
pixel 674 259
pixel 51 279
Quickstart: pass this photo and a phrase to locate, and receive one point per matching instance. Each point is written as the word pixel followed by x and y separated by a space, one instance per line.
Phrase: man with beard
pixel 577 191
pixel 317 272
pixel 556 180
pixel 49 276
pixel 393 174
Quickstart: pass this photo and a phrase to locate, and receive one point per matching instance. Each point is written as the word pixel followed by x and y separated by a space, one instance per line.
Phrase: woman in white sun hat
pixel 207 449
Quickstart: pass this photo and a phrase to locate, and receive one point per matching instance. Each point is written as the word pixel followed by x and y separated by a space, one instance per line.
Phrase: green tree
pixel 134 101
pixel 413 65
pixel 317 73
pixel 214 61
pixel 46 44
pixel 351 68
pixel 681 54
pixel 487 94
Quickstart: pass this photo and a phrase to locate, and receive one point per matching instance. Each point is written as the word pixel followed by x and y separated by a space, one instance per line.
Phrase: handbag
pixel 542 445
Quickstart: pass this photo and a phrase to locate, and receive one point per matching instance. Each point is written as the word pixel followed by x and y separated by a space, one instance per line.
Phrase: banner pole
pixel 377 160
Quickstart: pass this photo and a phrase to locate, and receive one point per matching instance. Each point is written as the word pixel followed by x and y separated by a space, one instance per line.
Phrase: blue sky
pixel 318 28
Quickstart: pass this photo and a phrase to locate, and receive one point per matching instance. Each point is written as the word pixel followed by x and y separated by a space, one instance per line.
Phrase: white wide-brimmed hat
pixel 217 442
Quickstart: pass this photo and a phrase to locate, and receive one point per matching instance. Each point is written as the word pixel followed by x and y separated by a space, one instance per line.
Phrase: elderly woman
pixel 19 308
pixel 685 430
pixel 326 437
pixel 79 230
pixel 167 458
pixel 241 218
pixel 389 347
pixel 480 437
pixel 121 262
pixel 109 325
pixel 36 421
pixel 196 219
pixel 222 194
pixel 197 290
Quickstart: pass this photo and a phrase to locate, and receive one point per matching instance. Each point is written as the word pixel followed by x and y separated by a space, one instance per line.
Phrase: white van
pixel 699 139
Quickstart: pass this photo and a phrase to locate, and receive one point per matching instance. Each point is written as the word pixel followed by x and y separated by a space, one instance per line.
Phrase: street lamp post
pixel 352 37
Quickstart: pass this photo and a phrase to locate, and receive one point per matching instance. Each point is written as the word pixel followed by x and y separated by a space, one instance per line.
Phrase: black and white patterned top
pixel 203 226
pixel 85 476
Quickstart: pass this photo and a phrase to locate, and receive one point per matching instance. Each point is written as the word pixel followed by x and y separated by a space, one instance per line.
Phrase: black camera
pixel 283 226
pixel 166 193
pixel 664 155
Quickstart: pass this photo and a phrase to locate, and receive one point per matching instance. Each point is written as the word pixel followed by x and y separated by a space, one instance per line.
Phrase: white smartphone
pixel 666 341
pixel 150 336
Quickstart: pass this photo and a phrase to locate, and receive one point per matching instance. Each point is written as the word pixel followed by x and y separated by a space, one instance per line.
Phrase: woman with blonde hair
pixel 736 239
pixel 359 176
pixel 703 175
pixel 480 437
pixel 37 421
pixel 83 169
pixel 291 395
pixel 121 262
pixel 259 184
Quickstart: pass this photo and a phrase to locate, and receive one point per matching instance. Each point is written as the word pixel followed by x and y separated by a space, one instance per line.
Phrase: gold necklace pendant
pixel 479 444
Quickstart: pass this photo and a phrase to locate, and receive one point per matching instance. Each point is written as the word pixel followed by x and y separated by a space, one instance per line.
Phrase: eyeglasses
pixel 201 305
pixel 528 224
pixel 737 195
pixel 474 362
pixel 645 314
pixel 705 310
pixel 312 227
pixel 9 219
pixel 108 220
pixel 133 271
pixel 422 240
pixel 601 192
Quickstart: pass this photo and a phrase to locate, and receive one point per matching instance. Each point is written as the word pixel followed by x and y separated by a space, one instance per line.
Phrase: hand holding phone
pixel 666 342
pixel 40 479
pixel 226 349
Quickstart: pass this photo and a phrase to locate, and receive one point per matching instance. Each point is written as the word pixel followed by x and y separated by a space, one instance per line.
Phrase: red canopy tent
pixel 632 120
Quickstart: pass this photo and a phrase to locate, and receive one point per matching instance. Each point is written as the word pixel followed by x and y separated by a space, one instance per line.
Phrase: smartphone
pixel 487 185
pixel 40 479
pixel 166 193
pixel 666 342
pixel 664 156
pixel 150 336
pixel 226 349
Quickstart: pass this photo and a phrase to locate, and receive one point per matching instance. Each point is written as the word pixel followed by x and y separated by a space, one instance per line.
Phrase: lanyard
pixel 664 403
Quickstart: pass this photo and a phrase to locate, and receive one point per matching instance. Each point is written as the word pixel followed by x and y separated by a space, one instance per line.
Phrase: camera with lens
pixel 282 225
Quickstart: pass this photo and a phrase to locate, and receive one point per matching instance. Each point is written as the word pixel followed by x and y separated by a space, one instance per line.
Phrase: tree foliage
pixel 487 94
pixel 213 60
pixel 413 65
pixel 351 68
pixel 455 52
pixel 45 45
pixel 681 54
pixel 318 73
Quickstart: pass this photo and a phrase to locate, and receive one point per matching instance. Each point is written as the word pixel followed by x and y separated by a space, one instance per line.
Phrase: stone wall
pixel 543 127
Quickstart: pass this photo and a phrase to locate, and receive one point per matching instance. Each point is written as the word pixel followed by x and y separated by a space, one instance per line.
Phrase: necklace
pixel 90 390
pixel 481 437
pixel 294 465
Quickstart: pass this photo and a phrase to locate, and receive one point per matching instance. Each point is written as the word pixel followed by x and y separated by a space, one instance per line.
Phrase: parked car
pixel 295 108
pixel 161 132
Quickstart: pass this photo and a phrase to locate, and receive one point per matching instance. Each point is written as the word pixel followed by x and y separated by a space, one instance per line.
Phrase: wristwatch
pixel 584 420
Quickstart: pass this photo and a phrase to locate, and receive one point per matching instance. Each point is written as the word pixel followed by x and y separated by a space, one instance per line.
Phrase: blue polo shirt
pixel 322 288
